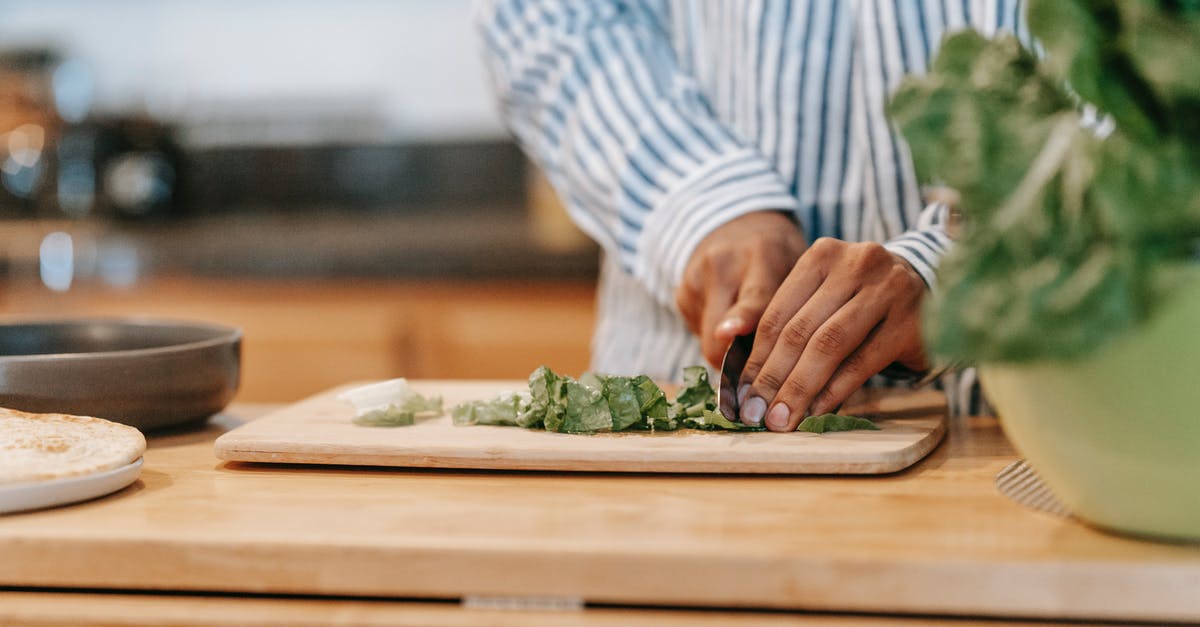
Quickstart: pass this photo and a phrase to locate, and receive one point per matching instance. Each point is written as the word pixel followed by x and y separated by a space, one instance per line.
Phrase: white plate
pixel 38 494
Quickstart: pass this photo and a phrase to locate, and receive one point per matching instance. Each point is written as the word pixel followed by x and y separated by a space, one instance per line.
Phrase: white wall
pixel 412 66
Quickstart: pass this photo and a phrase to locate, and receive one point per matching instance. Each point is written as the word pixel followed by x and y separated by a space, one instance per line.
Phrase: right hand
pixel 732 275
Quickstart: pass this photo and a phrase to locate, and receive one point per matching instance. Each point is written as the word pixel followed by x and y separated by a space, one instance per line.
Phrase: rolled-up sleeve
pixel 924 245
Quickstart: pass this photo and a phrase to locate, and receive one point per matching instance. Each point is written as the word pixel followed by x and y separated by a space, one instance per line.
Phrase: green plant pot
pixel 1117 435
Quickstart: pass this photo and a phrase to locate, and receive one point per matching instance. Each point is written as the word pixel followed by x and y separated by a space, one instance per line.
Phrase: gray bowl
pixel 144 373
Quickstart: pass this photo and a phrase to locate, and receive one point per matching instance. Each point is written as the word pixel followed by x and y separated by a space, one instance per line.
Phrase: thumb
pixel 742 318
pixel 735 322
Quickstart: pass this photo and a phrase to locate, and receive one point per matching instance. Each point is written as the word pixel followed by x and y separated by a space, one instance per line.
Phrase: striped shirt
pixel 659 120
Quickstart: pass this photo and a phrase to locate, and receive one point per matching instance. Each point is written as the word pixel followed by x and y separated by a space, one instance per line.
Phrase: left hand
pixel 732 275
pixel 845 312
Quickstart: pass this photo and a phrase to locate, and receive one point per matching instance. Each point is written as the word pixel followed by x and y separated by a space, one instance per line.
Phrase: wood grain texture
pixel 82 609
pixel 319 430
pixel 934 539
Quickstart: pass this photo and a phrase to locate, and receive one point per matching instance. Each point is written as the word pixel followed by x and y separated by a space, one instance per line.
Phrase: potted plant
pixel 1075 283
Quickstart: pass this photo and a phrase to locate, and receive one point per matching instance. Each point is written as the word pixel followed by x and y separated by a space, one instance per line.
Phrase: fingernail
pixel 777 420
pixel 753 410
pixel 742 392
pixel 730 325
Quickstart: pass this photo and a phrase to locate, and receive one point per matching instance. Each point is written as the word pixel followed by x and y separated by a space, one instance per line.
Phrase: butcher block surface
pixel 319 430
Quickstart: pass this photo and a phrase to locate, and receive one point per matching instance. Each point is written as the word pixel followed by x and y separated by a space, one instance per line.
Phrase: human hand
pixel 732 275
pixel 846 312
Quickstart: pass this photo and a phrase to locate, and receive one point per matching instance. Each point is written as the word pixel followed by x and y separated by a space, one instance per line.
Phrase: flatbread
pixel 43 447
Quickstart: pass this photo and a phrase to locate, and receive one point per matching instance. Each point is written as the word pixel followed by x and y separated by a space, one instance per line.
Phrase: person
pixel 735 163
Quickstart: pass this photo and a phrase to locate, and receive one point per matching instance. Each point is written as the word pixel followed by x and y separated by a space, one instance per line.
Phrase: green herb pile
pixel 597 403
pixel 603 403
pixel 1072 235
pixel 403 413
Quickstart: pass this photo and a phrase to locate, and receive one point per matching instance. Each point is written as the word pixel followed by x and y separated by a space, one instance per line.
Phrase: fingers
pixel 845 312
pixel 800 285
pixel 867 360
pixel 804 359
pixel 719 295
pixel 731 275
pixel 689 298
pixel 753 296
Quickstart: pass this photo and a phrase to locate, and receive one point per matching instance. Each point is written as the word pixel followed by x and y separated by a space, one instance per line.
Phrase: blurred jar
pixel 29 128
pixel 58 160
pixel 139 168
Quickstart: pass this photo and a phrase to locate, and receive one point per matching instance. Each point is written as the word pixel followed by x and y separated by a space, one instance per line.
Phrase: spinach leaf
pixel 597 403
pixel 389 403
pixel 835 422
pixel 585 410
pixel 504 410
pixel 391 416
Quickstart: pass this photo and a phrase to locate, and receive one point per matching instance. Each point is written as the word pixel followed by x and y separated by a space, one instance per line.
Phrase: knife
pixel 731 371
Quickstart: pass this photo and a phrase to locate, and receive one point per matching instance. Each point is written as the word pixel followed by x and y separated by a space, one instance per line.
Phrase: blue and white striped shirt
pixel 658 120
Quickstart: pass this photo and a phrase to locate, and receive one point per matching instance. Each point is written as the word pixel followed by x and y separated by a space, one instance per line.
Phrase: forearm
pixel 594 95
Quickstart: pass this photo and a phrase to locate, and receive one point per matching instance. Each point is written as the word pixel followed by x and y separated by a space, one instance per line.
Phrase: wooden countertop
pixel 934 540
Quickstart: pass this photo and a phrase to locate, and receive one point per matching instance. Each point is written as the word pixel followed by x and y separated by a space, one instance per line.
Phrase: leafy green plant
pixel 1072 236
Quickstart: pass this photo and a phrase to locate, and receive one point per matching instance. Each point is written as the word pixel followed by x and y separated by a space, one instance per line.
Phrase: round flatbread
pixel 43 447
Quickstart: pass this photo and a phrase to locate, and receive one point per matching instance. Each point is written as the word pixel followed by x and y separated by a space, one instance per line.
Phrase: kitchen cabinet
pixel 304 336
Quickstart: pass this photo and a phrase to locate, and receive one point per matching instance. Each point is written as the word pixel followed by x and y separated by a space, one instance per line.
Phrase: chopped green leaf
pixel 546 399
pixel 835 422
pixel 623 402
pixel 503 410
pixel 597 404
pixel 389 404
pixel 654 404
pixel 390 416
pixel 710 420
pixel 585 410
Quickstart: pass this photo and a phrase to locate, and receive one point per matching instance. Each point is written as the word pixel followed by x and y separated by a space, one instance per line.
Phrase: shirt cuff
pixel 924 246
pixel 725 188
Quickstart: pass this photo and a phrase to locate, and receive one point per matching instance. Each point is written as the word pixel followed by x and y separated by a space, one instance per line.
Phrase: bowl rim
pixel 222 335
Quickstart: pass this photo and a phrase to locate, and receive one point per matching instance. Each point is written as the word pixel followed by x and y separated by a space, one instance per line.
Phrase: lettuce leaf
pixel 835 422
pixel 598 403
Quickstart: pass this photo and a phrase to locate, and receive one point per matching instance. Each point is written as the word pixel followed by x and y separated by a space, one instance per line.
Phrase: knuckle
pixel 869 255
pixel 827 399
pixel 830 340
pixel 875 250
pixel 903 280
pixel 796 335
pixel 854 364
pixel 898 279
pixel 794 390
pixel 773 320
pixel 768 380
pixel 824 248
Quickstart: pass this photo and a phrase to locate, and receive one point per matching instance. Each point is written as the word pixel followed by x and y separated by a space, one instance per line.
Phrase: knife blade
pixel 731 371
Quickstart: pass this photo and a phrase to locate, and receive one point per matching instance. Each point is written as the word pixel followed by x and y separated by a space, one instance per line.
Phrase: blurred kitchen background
pixel 332 177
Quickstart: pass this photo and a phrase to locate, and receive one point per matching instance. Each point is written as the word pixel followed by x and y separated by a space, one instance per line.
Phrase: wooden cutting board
pixel 319 430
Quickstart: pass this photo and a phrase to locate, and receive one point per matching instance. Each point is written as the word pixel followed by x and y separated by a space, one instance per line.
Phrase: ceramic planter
pixel 1117 435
